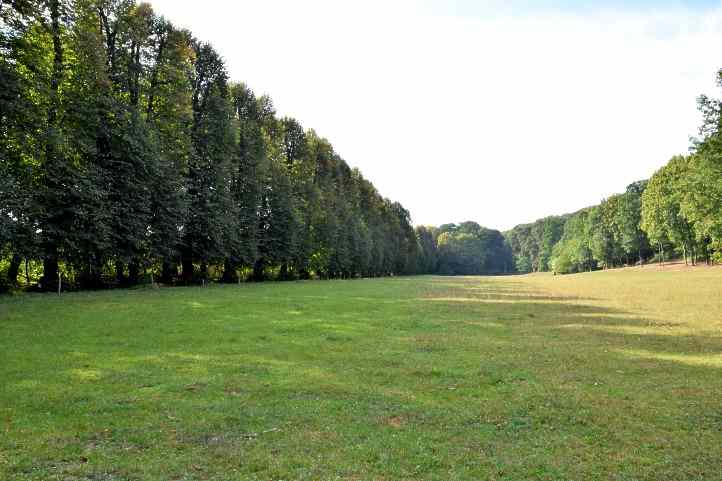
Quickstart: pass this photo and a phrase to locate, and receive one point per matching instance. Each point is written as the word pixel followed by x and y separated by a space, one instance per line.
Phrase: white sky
pixel 497 116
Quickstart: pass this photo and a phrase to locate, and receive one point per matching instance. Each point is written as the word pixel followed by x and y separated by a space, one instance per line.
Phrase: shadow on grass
pixel 634 336
pixel 520 381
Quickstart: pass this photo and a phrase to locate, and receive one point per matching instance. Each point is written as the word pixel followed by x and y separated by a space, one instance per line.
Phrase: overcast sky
pixel 500 112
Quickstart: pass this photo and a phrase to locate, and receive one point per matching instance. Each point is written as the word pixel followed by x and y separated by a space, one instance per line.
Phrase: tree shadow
pixel 573 319
pixel 521 376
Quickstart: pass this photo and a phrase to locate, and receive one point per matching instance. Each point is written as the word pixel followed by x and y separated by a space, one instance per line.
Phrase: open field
pixel 609 375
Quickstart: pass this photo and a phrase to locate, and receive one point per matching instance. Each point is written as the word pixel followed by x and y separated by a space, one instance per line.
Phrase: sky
pixel 500 112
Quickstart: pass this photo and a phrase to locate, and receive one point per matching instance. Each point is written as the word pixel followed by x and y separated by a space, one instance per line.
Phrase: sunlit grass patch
pixel 710 360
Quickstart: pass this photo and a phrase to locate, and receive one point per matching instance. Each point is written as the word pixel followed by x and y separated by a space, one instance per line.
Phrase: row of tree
pixel 604 236
pixel 532 244
pixel 126 151
pixel 677 213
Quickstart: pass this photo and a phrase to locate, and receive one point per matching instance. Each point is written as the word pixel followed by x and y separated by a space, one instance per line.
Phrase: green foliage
pixel 678 211
pixel 464 249
pixel 604 236
pixel 428 260
pixel 662 218
pixel 532 244
pixel 125 149
pixel 702 204
pixel 574 253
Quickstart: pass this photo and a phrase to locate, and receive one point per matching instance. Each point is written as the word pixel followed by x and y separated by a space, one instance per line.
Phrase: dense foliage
pixel 604 236
pixel 128 152
pixel 677 213
pixel 463 249
pixel 532 244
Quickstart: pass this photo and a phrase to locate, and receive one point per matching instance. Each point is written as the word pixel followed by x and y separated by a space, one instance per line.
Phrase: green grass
pixel 608 376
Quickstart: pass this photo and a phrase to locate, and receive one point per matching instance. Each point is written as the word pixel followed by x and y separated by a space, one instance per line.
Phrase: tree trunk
pixel 283 274
pixel 188 269
pixel 57 57
pixel 204 272
pixel 168 272
pixel 14 269
pixel 684 253
pixel 120 273
pixel 95 278
pixel 133 273
pixel 694 256
pixel 50 273
pixel 229 272
pixel 258 266
pixel 50 261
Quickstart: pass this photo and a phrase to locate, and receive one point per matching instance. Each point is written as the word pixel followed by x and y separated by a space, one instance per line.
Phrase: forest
pixel 464 249
pixel 128 155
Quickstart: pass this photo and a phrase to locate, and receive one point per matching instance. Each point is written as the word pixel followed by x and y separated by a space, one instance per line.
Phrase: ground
pixel 602 376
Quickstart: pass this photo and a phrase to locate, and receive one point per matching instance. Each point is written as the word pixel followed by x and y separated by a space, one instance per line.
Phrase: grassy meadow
pixel 603 376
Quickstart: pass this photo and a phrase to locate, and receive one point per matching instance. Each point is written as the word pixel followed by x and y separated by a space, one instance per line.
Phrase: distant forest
pixel 128 156
pixel 677 214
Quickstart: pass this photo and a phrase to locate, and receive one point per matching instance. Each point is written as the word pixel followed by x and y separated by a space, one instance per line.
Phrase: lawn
pixel 608 375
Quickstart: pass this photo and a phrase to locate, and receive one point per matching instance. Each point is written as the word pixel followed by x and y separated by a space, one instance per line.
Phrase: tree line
pixel 128 153
pixel 677 213
pixel 462 249
pixel 603 236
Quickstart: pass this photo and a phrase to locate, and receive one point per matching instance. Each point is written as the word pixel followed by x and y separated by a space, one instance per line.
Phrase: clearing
pixel 608 375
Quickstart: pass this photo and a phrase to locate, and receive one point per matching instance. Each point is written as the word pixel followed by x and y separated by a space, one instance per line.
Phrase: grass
pixel 601 376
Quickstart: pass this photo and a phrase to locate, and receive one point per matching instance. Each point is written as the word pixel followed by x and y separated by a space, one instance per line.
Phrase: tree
pixel 633 240
pixel 22 48
pixel 701 203
pixel 662 218
pixel 211 226
pixel 169 113
pixel 427 237
pixel 469 249
pixel 248 170
pixel 573 253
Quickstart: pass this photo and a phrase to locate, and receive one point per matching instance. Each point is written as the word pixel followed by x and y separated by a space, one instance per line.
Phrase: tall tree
pixel 662 218
pixel 169 113
pixel 211 226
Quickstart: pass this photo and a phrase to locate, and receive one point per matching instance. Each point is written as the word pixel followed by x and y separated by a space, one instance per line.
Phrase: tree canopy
pixel 128 154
